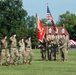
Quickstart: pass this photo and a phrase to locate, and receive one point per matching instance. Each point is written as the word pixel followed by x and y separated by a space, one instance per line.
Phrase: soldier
pixel 43 50
pixel 49 49
pixel 55 40
pixel 29 50
pixel 0 46
pixel 13 49
pixel 63 46
pixel 67 47
pixel 4 51
pixel 22 50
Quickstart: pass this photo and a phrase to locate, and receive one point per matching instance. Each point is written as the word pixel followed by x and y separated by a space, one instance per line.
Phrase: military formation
pixel 18 52
pixel 50 48
pixel 15 52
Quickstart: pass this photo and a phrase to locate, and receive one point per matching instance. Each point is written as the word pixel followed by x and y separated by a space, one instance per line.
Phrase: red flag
pixel 49 17
pixel 41 30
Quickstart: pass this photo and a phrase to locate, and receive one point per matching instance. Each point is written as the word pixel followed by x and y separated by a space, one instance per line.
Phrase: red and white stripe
pixel 72 42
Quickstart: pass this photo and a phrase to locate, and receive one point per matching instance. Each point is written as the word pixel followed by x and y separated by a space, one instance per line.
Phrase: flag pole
pixel 47 24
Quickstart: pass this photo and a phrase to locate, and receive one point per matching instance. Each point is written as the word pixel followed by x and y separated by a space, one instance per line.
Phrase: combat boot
pixel 29 63
pixel 7 63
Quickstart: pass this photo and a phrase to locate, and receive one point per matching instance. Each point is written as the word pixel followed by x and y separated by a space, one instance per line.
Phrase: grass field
pixel 39 67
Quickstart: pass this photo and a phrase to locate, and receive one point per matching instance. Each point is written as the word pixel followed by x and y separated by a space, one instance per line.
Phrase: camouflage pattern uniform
pixel 55 46
pixel 4 51
pixel 29 50
pixel 49 49
pixel 63 47
pixel 14 55
pixel 66 50
pixel 42 50
pixel 22 50
pixel 0 47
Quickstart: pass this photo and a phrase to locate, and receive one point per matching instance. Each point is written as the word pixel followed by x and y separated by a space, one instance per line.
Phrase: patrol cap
pixel 4 35
pixel 30 35
pixel 13 33
pixel 63 34
pixel 55 34
pixel 22 37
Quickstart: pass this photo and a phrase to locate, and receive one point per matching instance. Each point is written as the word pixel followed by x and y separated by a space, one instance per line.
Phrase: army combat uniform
pixel 29 50
pixel 42 50
pixel 63 47
pixel 22 50
pixel 14 55
pixel 50 49
pixel 66 50
pixel 55 46
pixel 4 52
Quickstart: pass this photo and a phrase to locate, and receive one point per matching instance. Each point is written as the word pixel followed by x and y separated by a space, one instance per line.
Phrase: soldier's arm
pixel 2 41
pixel 11 39
pixel 19 43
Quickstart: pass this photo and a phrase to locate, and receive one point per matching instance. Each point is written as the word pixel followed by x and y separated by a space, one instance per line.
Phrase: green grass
pixel 39 67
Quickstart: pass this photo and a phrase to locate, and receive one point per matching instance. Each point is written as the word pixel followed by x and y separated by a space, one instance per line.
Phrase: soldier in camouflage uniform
pixel 43 50
pixel 22 50
pixel 4 51
pixel 49 49
pixel 0 47
pixel 67 47
pixel 29 50
pixel 63 47
pixel 55 46
pixel 14 55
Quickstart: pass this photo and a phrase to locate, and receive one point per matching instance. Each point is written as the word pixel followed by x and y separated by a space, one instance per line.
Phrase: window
pixel 63 30
pixel 56 30
pixel 50 30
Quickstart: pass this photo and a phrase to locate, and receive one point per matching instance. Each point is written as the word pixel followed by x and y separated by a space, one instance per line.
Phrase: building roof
pixel 53 32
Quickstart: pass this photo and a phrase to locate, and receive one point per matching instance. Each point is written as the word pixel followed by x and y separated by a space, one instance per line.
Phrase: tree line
pixel 13 18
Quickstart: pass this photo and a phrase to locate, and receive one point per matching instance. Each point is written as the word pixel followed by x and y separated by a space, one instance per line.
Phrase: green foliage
pixel 69 20
pixel 34 40
pixel 46 22
pixel 13 18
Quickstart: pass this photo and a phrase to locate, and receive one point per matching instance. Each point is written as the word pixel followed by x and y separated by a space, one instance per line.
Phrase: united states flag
pixel 49 17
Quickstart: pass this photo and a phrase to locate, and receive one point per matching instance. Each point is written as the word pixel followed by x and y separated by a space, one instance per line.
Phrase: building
pixel 50 32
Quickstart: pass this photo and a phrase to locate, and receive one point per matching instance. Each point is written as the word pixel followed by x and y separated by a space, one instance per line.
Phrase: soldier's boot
pixel 14 63
pixel 7 63
pixel 24 63
pixel 29 63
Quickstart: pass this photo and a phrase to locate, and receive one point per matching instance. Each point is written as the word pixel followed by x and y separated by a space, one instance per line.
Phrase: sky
pixel 57 7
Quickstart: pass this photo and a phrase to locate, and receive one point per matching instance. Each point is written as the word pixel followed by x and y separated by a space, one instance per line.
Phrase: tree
pixel 46 22
pixel 69 20
pixel 31 22
pixel 12 17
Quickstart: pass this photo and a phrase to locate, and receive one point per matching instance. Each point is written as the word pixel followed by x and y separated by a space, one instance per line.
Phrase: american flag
pixel 49 16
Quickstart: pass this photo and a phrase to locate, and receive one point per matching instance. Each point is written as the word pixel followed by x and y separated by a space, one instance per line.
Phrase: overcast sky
pixel 57 7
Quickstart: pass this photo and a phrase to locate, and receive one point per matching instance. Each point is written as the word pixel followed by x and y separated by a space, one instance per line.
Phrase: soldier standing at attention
pixel 67 47
pixel 14 55
pixel 63 47
pixel 4 51
pixel 55 40
pixel 42 50
pixel 22 50
pixel 29 50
